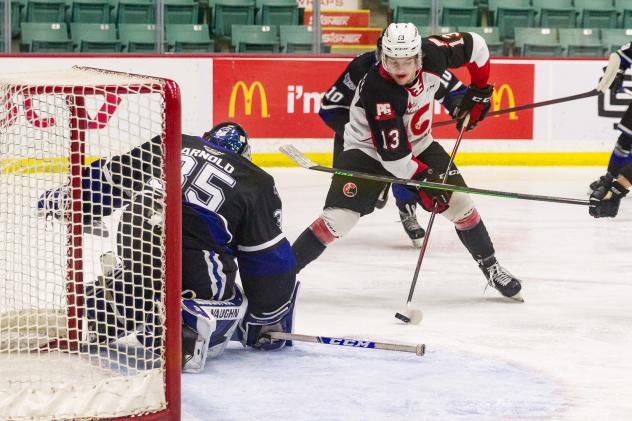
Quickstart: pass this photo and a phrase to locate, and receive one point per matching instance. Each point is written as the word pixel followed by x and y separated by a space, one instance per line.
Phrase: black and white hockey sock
pixel 307 248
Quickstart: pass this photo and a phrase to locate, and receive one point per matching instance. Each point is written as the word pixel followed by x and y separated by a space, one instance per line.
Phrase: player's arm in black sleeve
pixel 450 92
pixel 384 106
pixel 459 49
pixel 267 266
pixel 334 107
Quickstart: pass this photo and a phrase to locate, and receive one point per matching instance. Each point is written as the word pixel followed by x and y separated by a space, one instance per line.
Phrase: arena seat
pixel 277 12
pixel 189 38
pixel 597 13
pixel 137 37
pixel 255 39
pixel 45 37
pixel 490 35
pixel 95 38
pixel 510 14
pixel 555 13
pixel 538 42
pixel 458 13
pixel 581 42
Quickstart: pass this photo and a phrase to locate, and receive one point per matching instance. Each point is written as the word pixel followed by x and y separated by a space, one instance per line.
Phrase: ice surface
pixel 562 355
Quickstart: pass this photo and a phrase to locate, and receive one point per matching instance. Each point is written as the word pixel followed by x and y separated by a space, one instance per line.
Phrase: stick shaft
pixel 418 349
pixel 424 245
pixel 298 157
pixel 529 106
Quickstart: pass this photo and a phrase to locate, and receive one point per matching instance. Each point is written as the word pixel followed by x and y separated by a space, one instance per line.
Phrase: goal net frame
pixel 69 332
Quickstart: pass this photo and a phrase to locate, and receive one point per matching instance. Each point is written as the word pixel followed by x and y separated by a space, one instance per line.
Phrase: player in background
pixel 606 198
pixel 231 214
pixel 612 79
pixel 390 134
pixel 334 111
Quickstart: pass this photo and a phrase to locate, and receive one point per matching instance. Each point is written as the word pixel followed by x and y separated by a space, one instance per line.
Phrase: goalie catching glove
pixel 476 102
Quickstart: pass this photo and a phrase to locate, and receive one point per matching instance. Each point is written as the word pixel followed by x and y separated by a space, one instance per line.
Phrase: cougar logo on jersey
pixel 350 189
pixel 348 82
pixel 383 111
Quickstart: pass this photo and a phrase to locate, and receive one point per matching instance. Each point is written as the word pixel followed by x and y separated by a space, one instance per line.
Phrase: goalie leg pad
pixel 207 328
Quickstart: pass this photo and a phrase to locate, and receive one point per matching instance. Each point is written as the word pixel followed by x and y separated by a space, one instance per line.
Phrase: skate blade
pixel 417 243
pixel 517 297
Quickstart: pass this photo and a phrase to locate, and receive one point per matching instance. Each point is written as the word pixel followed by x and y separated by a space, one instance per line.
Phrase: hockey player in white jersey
pixel 389 133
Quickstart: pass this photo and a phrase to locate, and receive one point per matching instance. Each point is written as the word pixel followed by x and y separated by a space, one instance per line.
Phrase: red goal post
pixel 53 125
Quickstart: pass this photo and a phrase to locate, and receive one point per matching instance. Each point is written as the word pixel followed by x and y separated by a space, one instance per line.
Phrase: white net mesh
pixel 81 298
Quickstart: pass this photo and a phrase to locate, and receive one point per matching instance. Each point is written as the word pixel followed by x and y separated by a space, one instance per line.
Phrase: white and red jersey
pixel 392 123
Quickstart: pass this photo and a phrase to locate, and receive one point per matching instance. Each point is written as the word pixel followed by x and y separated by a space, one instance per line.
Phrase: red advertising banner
pixel 345 18
pixel 351 36
pixel 514 84
pixel 280 97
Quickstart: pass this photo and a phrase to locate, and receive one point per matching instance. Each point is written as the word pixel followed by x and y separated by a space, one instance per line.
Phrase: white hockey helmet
pixel 401 40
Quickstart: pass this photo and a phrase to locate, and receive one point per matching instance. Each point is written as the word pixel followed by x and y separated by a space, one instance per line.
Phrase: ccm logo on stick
pixel 348 342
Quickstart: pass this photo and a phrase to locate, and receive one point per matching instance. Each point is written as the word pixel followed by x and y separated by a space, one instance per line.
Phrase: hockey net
pixel 52 125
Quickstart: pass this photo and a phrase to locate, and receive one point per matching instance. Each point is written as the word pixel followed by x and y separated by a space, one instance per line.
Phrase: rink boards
pixel 277 99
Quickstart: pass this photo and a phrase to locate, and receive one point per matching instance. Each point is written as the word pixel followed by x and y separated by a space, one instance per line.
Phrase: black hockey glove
pixel 605 200
pixel 476 102
pixel 617 82
pixel 428 197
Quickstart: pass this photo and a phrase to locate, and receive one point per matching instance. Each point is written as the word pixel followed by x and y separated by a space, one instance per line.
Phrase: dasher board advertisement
pixel 331 4
pixel 342 18
pixel 274 103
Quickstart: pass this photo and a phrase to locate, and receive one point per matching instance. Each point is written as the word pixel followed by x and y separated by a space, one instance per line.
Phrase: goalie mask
pixel 400 41
pixel 230 136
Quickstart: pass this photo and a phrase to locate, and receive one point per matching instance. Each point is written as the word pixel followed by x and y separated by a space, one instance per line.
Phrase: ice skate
pixel 500 278
pixel 415 232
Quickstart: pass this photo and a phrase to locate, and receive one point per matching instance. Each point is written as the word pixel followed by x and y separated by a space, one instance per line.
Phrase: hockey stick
pixel 419 349
pixel 588 94
pixel 299 158
pixel 410 314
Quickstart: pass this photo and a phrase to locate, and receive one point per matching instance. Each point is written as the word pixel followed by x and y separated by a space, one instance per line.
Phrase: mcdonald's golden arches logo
pixel 248 92
pixel 497 99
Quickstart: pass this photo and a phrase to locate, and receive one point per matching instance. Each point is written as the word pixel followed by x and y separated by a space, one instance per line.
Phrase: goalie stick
pixel 419 349
pixel 588 94
pixel 298 157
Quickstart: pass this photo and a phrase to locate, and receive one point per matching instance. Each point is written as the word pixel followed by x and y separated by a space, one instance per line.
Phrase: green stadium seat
pixel 415 11
pixel 613 39
pixel 181 12
pixel 296 38
pixel 227 13
pixel 624 7
pixel 490 35
pixel 277 12
pixel 95 38
pixel 597 13
pixel 15 17
pixel 555 13
pixel 510 14
pixel 426 31
pixel 458 13
pixel 580 42
pixel 538 42
pixel 46 11
pixel 90 11
pixel 138 37
pixel 189 39
pixel 255 39
pixel 134 11
pixel 45 37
